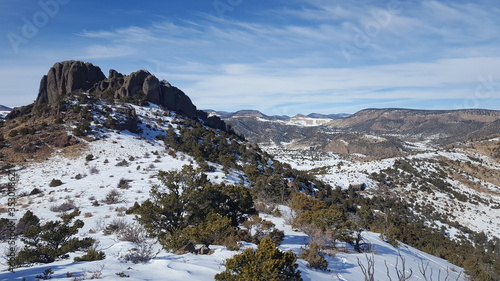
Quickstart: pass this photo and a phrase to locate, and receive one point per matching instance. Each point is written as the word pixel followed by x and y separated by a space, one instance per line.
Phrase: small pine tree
pixel 91 255
pixel 45 243
pixel 265 263
pixel 54 183
pixel 314 257
pixel 28 220
pixel 214 229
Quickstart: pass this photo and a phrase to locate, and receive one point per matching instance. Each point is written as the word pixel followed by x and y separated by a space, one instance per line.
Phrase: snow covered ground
pixel 138 159
pixel 3 114
pixel 341 170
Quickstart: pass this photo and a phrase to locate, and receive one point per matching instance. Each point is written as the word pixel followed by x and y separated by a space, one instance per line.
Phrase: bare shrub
pixel 91 274
pixel 113 197
pixel 316 235
pixel 289 218
pixel 141 254
pixel 100 224
pixel 23 194
pixel 264 208
pixel 94 171
pixel 120 223
pixel 122 163
pixel 401 272
pixel 64 207
pixel 368 269
pixel 116 226
pixel 124 184
pixel 424 267
pixel 133 232
pixel 121 209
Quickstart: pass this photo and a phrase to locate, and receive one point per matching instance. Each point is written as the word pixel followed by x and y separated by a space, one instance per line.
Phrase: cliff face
pixel 449 125
pixel 143 84
pixel 72 76
pixel 67 77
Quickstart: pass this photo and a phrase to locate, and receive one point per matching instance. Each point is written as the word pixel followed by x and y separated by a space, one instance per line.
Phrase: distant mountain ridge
pixel 448 124
pixel 256 113
pixel 392 127
pixel 5 108
pixel 331 116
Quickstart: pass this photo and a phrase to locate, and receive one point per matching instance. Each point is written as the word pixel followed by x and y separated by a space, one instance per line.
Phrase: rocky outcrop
pixel 73 76
pixel 67 77
pixel 143 85
pixel 62 140
pixel 128 120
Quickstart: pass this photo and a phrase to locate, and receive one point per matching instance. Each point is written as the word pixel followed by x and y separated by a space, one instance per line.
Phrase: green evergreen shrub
pixel 45 243
pixel 314 257
pixel 188 209
pixel 91 255
pixel 266 263
pixel 28 220
pixel 54 183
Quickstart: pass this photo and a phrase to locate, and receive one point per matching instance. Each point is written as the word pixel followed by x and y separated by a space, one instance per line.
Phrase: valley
pixel 368 149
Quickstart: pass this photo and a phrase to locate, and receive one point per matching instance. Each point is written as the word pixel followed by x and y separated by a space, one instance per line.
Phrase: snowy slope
pixel 477 214
pixel 138 158
pixel 3 114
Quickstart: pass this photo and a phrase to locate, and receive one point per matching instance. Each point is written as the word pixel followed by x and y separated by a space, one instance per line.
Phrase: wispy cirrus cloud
pixel 102 51
pixel 294 56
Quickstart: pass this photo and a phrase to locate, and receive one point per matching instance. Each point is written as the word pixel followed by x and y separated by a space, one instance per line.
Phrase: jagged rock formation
pixel 148 86
pixel 67 77
pixel 73 76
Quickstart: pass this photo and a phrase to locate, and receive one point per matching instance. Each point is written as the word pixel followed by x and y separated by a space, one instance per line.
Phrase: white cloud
pixel 100 51
pixel 251 85
pixel 290 57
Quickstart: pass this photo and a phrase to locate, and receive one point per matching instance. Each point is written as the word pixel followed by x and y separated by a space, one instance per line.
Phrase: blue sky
pixel 279 57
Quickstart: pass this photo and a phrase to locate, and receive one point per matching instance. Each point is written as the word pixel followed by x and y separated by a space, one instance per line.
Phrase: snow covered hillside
pixel 125 165
pixel 470 189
